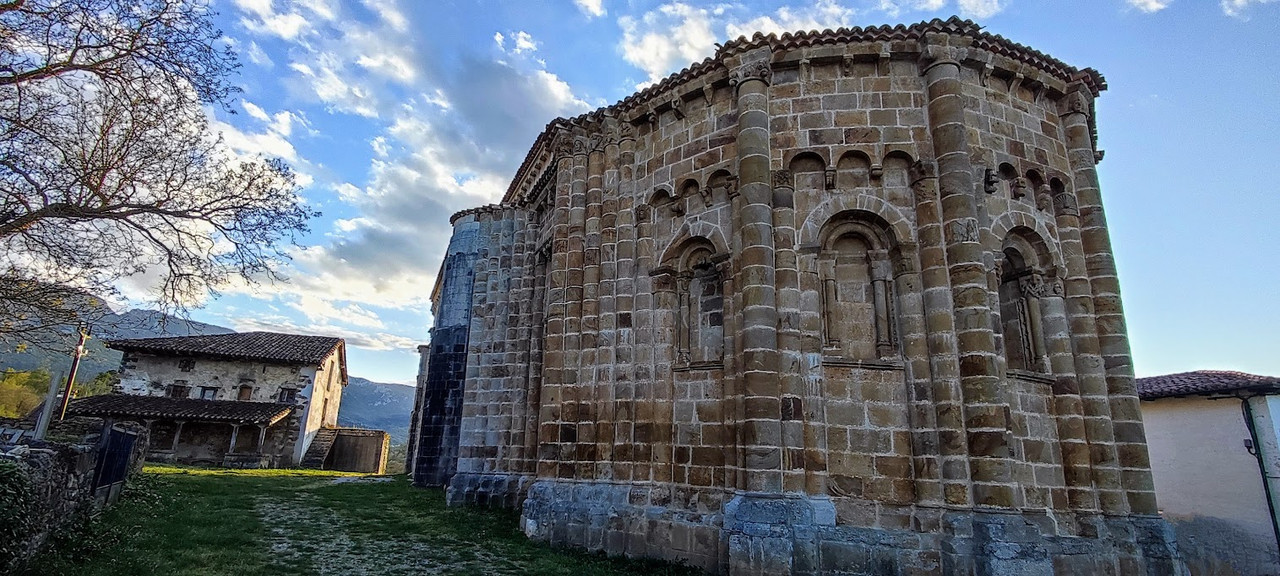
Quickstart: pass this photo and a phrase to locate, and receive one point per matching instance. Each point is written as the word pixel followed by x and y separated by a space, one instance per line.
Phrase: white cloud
pixel 667 39
pixel 1149 6
pixel 445 140
pixel 255 111
pixel 1237 8
pixel 982 8
pixel 676 35
pixel 968 8
pixel 257 56
pixel 592 8
pixel 822 15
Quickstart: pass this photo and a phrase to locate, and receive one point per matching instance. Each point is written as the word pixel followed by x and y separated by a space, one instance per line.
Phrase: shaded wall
pixel 359 451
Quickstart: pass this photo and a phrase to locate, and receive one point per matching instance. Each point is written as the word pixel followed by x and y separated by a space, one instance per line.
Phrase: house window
pixel 245 393
pixel 179 389
pixel 288 395
pixel 186 364
pixel 208 393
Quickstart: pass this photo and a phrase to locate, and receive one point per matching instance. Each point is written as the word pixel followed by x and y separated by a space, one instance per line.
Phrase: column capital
pixel 783 179
pixel 761 71
pixel 936 49
pixel 1079 100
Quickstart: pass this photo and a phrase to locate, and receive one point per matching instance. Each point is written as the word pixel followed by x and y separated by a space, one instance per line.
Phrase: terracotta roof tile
pixel 147 407
pixel 268 346
pixel 1204 382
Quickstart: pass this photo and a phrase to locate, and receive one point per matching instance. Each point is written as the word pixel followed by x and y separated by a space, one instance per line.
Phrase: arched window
pixel 857 295
pixel 700 319
pixel 1022 286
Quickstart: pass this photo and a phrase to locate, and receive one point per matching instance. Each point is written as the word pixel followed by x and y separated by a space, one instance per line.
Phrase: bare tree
pixel 108 169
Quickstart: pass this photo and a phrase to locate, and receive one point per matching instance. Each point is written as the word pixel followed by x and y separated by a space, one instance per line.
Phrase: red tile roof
pixel 1205 382
pixel 268 346
pixel 191 410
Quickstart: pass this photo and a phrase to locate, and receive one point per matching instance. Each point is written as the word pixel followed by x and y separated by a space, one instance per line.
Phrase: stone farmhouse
pixel 837 302
pixel 251 400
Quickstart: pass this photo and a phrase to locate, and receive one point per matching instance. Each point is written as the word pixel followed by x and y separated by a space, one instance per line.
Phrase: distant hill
pixel 377 405
pixel 98 358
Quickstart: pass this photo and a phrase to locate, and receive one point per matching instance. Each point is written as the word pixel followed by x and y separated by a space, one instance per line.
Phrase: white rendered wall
pixel 1200 464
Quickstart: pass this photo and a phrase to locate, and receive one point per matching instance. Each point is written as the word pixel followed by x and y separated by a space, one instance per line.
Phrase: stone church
pixel 837 302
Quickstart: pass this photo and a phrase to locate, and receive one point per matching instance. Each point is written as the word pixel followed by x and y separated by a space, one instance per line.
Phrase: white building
pixel 1215 460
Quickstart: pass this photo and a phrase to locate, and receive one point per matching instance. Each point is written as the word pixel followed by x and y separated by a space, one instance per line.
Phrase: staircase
pixel 319 449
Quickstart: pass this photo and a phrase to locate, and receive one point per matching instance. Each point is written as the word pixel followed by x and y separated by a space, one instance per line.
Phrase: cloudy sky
pixel 399 113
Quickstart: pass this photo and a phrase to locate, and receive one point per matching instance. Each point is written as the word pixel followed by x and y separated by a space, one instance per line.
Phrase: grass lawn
pixel 190 521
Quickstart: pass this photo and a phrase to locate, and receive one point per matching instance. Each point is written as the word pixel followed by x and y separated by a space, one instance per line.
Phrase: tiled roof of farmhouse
pixel 1204 382
pixel 891 38
pixel 268 346
pixel 192 410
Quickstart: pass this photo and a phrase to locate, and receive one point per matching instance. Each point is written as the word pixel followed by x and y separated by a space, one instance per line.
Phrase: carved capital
pixel 642 214
pixel 1033 286
pixel 1098 155
pixel 934 51
pixel 626 131
pixel 1077 102
pixel 1064 204
pixel 783 179
pixel 761 71
pixel 596 142
pixel 563 145
pixel 581 146
pixel 922 169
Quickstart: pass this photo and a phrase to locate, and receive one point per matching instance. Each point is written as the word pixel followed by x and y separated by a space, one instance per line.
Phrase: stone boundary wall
pixel 58 481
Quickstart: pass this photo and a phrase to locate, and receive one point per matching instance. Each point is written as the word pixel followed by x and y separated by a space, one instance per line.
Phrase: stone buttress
pixel 825 303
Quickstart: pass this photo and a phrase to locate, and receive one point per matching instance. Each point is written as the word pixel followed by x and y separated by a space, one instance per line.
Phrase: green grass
pixel 191 521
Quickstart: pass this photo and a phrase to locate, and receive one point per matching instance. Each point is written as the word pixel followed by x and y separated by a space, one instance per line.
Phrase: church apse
pixel 824 303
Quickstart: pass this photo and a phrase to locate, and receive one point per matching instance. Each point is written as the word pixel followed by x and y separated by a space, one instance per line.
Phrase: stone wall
pixel 57 479
pixel 837 302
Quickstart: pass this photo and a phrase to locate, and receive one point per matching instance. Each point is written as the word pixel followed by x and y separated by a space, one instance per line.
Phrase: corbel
pixel 877 171
pixel 708 92
pixel 882 61
pixel 829 178
pixel 677 106
pixel 989 180
pixel 806 71
pixel 847 65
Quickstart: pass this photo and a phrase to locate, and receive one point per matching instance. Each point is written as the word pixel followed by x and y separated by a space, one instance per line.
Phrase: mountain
pixel 377 405
pixel 98 358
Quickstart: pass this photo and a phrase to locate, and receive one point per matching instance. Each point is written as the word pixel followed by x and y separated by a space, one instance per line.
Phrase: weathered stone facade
pixel 838 302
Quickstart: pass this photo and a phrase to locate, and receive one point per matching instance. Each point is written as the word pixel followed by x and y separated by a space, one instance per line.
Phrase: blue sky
pixel 397 114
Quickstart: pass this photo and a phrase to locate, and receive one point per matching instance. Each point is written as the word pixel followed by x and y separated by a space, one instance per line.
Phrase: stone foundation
pixel 793 534
pixel 501 490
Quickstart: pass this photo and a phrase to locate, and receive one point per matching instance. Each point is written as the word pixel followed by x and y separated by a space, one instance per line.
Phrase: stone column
pixel 1113 335
pixel 944 364
pixel 797 445
pixel 1067 409
pixel 1089 371
pixel 985 404
pixel 925 457
pixel 761 386
pixel 555 370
